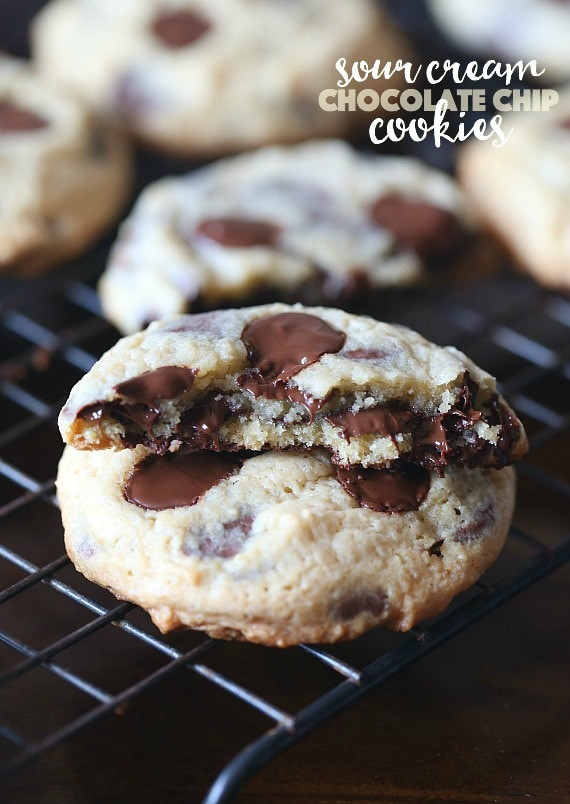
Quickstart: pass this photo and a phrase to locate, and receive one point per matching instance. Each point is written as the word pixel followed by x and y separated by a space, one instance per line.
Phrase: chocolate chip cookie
pixel 274 547
pixel 316 219
pixel 522 190
pixel 201 77
pixel 64 177
pixel 280 377
pixel 512 30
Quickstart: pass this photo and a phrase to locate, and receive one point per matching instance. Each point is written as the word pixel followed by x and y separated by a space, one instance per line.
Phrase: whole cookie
pixel 64 177
pixel 317 219
pixel 522 190
pixel 279 377
pixel 511 29
pixel 213 76
pixel 272 548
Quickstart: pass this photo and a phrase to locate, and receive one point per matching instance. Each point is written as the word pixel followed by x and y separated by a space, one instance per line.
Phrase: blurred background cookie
pixel 64 176
pixel 317 221
pixel 522 190
pixel 510 29
pixel 205 77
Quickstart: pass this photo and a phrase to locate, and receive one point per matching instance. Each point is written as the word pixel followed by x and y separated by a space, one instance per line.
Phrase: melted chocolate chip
pixel 162 383
pixel 239 232
pixel 95 412
pixel 374 603
pixel 430 432
pixel 141 415
pixel 177 479
pixel 279 347
pixel 200 425
pixel 177 29
pixel 14 118
pixel 438 441
pixel 386 421
pixel 391 491
pixel 426 229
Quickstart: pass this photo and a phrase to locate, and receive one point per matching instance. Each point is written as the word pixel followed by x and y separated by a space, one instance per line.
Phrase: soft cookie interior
pixel 258 402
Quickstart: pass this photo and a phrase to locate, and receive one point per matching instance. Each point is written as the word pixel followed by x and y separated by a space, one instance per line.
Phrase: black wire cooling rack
pixel 50 334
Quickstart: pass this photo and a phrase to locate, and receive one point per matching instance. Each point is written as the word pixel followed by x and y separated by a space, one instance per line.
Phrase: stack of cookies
pixel 281 472
pixel 286 474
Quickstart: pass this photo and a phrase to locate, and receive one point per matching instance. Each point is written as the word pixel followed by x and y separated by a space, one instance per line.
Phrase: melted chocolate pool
pixel 391 491
pixel 177 479
pixel 280 346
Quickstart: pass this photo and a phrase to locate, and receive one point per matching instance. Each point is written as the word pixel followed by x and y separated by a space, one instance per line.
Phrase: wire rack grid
pixel 50 335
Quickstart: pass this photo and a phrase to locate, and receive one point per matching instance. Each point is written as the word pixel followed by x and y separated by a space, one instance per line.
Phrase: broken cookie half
pixel 277 377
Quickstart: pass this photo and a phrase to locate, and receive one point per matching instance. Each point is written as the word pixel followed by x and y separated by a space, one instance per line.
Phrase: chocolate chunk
pixel 162 383
pixel 391 491
pixel 367 354
pixel 426 229
pixel 229 542
pixel 200 425
pixel 14 118
pixel 510 425
pixel 142 415
pixel 474 529
pixel 386 421
pixel 374 603
pixel 466 399
pixel 95 412
pixel 177 29
pixel 239 232
pixel 430 432
pixel 280 346
pixel 177 479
